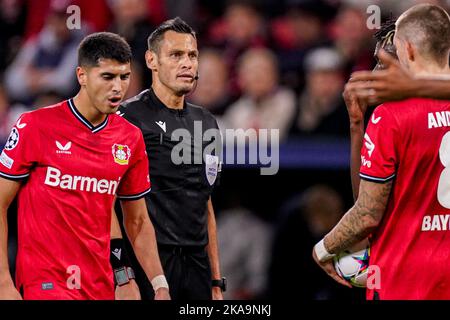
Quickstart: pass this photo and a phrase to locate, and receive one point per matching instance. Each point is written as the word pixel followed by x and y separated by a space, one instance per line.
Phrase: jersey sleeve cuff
pixel 134 196
pixel 14 177
pixel 376 179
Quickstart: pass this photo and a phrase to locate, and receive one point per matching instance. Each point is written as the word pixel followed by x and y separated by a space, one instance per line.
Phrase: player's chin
pixel 112 106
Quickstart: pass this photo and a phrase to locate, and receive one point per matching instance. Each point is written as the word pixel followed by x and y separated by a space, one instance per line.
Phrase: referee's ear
pixel 151 60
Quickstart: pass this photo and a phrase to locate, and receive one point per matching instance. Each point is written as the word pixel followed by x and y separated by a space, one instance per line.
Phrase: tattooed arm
pixel 361 220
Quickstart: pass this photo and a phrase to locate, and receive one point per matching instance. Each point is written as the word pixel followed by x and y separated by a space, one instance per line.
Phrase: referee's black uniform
pixel 178 199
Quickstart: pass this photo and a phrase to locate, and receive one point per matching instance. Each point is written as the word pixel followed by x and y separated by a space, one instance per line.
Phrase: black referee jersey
pixel 180 191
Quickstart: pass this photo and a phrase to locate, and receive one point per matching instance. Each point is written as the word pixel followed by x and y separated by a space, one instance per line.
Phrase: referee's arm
pixel 213 250
pixel 8 190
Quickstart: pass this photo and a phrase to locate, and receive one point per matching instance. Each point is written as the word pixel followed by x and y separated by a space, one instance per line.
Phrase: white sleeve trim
pixel 134 196
pixel 376 179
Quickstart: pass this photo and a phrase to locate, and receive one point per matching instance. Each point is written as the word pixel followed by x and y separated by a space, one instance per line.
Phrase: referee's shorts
pixel 187 270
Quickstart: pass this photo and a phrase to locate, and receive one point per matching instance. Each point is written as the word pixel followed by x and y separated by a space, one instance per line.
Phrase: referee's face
pixel 176 63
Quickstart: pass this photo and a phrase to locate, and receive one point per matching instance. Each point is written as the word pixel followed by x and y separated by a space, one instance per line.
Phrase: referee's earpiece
pixel 196 76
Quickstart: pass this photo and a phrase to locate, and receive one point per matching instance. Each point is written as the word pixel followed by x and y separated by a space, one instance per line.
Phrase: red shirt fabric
pixel 73 171
pixel 409 142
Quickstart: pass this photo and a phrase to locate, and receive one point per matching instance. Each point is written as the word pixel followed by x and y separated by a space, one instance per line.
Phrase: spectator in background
pixel 305 219
pixel 352 38
pixel 321 108
pixel 132 21
pixel 12 25
pixel 212 91
pixel 241 28
pixel 264 104
pixel 46 63
pixel 8 115
pixel 244 246
pixel 94 13
pixel 298 30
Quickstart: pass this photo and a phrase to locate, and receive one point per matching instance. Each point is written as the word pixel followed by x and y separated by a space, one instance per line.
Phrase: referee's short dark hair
pixel 177 25
pixel 103 45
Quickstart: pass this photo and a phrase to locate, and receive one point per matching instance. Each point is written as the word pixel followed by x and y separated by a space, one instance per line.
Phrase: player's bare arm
pixel 141 234
pixel 355 225
pixel 8 190
pixel 356 109
pixel 395 83
pixel 362 219
pixel 213 250
pixel 129 291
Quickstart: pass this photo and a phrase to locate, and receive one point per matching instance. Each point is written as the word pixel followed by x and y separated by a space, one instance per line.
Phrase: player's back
pixel 409 142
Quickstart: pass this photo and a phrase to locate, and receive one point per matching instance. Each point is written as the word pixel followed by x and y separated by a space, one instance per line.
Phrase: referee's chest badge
pixel 212 165
pixel 121 154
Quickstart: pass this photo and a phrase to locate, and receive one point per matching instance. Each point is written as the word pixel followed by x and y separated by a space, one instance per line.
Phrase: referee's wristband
pixel 159 282
pixel 321 252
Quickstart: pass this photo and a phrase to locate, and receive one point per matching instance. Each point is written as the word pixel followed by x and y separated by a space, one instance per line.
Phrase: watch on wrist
pixel 222 284
pixel 123 275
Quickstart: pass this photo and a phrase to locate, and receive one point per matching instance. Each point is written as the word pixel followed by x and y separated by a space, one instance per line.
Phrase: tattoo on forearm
pixel 361 219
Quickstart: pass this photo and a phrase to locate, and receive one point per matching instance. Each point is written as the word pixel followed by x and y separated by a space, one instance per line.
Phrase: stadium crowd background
pixel 264 64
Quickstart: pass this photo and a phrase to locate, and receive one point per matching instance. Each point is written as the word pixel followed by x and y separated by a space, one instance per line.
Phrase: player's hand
pixel 390 84
pixel 9 292
pixel 217 293
pixel 129 291
pixel 356 108
pixel 162 294
pixel 328 267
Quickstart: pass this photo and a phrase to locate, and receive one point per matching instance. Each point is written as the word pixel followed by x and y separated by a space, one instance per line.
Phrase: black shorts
pixel 187 270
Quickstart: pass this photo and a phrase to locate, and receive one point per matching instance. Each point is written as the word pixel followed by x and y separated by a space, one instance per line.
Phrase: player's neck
pixel 426 70
pixel 167 96
pixel 88 110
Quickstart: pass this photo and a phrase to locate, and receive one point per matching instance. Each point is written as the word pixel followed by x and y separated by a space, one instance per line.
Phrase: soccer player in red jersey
pixel 404 195
pixel 67 163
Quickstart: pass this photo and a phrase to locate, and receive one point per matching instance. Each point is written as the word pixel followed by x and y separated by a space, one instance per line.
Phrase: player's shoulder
pixel 47 114
pixel 122 125
pixel 411 103
pixel 410 108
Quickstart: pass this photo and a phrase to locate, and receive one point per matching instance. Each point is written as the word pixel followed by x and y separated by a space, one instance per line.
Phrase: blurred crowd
pixel 272 64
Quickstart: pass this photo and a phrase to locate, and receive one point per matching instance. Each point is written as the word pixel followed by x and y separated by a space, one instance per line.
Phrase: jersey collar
pixel 155 100
pixel 84 121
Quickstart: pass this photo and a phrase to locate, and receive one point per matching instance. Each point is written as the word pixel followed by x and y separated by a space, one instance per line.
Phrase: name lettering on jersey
pixel 63 149
pixel 369 144
pixel 375 120
pixel 438 119
pixel 55 178
pixel 437 222
pixel 121 154
pixel 162 125
pixel 365 162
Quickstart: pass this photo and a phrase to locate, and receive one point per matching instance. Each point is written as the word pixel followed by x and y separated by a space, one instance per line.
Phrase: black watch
pixel 123 275
pixel 222 284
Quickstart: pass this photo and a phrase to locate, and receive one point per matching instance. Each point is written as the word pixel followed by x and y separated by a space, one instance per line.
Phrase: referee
pixel 179 203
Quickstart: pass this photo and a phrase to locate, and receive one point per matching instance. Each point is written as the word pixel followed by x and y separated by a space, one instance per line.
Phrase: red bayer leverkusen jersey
pixel 409 142
pixel 72 172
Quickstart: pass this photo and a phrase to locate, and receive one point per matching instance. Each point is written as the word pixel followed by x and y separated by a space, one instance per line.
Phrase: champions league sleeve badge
pixel 12 140
pixel 121 154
